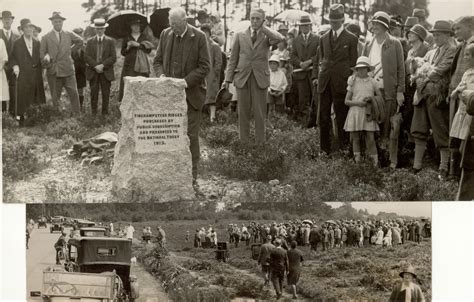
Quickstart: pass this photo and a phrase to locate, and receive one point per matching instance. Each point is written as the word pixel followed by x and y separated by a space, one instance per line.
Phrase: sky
pixel 40 10
pixel 414 209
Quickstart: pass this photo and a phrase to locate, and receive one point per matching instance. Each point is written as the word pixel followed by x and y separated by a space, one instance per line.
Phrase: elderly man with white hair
pixel 249 70
pixel 183 53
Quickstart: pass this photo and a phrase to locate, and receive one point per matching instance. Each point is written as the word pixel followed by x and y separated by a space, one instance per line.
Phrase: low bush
pixel 43 114
pixel 21 157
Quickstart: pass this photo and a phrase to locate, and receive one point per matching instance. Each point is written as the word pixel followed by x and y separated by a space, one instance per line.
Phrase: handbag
pixel 141 62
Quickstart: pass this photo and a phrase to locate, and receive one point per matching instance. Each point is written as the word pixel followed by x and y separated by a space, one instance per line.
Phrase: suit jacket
pixel 61 64
pixel 278 260
pixel 9 46
pixel 196 62
pixel 302 51
pixel 393 64
pixel 246 58
pixel 456 56
pixel 108 57
pixel 264 256
pixel 335 61
pixel 441 62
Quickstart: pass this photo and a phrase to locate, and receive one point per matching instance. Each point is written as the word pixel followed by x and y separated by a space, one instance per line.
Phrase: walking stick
pixel 16 96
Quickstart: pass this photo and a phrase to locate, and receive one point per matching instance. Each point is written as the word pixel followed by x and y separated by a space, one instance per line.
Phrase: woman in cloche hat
pixel 407 290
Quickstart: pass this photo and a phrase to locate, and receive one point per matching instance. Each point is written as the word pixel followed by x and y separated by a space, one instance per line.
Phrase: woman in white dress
pixel 5 95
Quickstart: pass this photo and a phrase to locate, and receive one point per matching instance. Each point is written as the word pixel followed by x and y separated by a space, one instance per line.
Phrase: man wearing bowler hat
pixel 337 54
pixel 9 37
pixel 432 112
pixel 303 53
pixel 56 54
pixel 100 58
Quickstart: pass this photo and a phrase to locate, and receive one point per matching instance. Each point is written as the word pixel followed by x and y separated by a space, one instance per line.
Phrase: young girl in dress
pixel 462 121
pixel 360 90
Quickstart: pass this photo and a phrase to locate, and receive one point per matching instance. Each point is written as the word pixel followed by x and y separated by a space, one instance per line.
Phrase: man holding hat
pixel 249 70
pixel 302 55
pixel 8 36
pixel 337 54
pixel 56 54
pixel 432 112
pixel 386 55
pixel 100 58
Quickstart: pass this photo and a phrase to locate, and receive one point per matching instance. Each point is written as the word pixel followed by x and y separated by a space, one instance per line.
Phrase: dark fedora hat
pixel 336 12
pixel 442 26
pixel 7 14
pixel 26 22
pixel 419 12
pixel 56 15
pixel 305 20
pixel 223 98
pixel 411 21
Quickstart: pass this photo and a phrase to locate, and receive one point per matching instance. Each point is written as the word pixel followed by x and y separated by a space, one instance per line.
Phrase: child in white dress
pixel 361 89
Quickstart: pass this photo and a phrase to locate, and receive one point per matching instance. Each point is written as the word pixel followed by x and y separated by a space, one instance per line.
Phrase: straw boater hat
pixel 99 23
pixel 305 20
pixel 409 269
pixel 336 12
pixel 56 15
pixel 410 22
pixel 420 31
pixel 7 14
pixel 363 61
pixel 442 26
pixel 381 18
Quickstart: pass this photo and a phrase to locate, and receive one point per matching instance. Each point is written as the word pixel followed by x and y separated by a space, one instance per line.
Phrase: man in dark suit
pixel 337 54
pixel 303 53
pixel 8 36
pixel 264 258
pixel 278 266
pixel 183 53
pixel 249 70
pixel 100 58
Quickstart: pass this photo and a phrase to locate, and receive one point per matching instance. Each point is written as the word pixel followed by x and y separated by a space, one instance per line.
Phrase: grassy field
pixel 347 274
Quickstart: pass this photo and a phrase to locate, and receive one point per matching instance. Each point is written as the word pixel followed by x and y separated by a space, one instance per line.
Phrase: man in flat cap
pixel 56 54
pixel 8 36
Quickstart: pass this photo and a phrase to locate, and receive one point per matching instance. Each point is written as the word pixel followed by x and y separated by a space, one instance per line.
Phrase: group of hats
pixel 23 22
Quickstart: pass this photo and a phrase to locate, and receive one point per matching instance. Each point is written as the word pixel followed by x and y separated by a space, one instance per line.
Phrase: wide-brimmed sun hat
pixel 408 269
pixel 274 58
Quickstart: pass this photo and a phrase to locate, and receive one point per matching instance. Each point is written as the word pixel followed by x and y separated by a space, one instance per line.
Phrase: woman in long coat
pixel 26 62
pixel 136 41
pixel 213 77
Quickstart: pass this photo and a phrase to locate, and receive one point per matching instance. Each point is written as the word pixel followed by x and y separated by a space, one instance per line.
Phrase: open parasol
pixel 291 15
pixel 159 21
pixel 119 23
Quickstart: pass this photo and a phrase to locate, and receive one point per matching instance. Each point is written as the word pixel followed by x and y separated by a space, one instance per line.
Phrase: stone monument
pixel 152 160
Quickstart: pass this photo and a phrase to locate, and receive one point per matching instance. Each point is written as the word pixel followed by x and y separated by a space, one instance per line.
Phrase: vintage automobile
pixel 57 224
pixel 103 254
pixel 42 222
pixel 80 223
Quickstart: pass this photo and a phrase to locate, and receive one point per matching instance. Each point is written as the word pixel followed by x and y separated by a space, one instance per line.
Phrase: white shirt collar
pixel 251 31
pixel 339 31
pixel 100 37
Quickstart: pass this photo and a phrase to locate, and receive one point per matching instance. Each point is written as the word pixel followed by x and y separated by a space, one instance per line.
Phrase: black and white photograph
pixel 236 101
pixel 370 251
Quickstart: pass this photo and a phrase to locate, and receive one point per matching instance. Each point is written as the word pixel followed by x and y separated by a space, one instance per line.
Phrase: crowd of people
pixel 397 84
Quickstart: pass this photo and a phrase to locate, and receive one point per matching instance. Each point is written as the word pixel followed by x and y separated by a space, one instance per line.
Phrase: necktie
pixel 334 36
pixel 99 50
pixel 8 35
pixel 254 36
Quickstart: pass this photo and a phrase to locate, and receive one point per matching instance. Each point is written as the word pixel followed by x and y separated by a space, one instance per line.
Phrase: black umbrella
pixel 159 21
pixel 119 23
